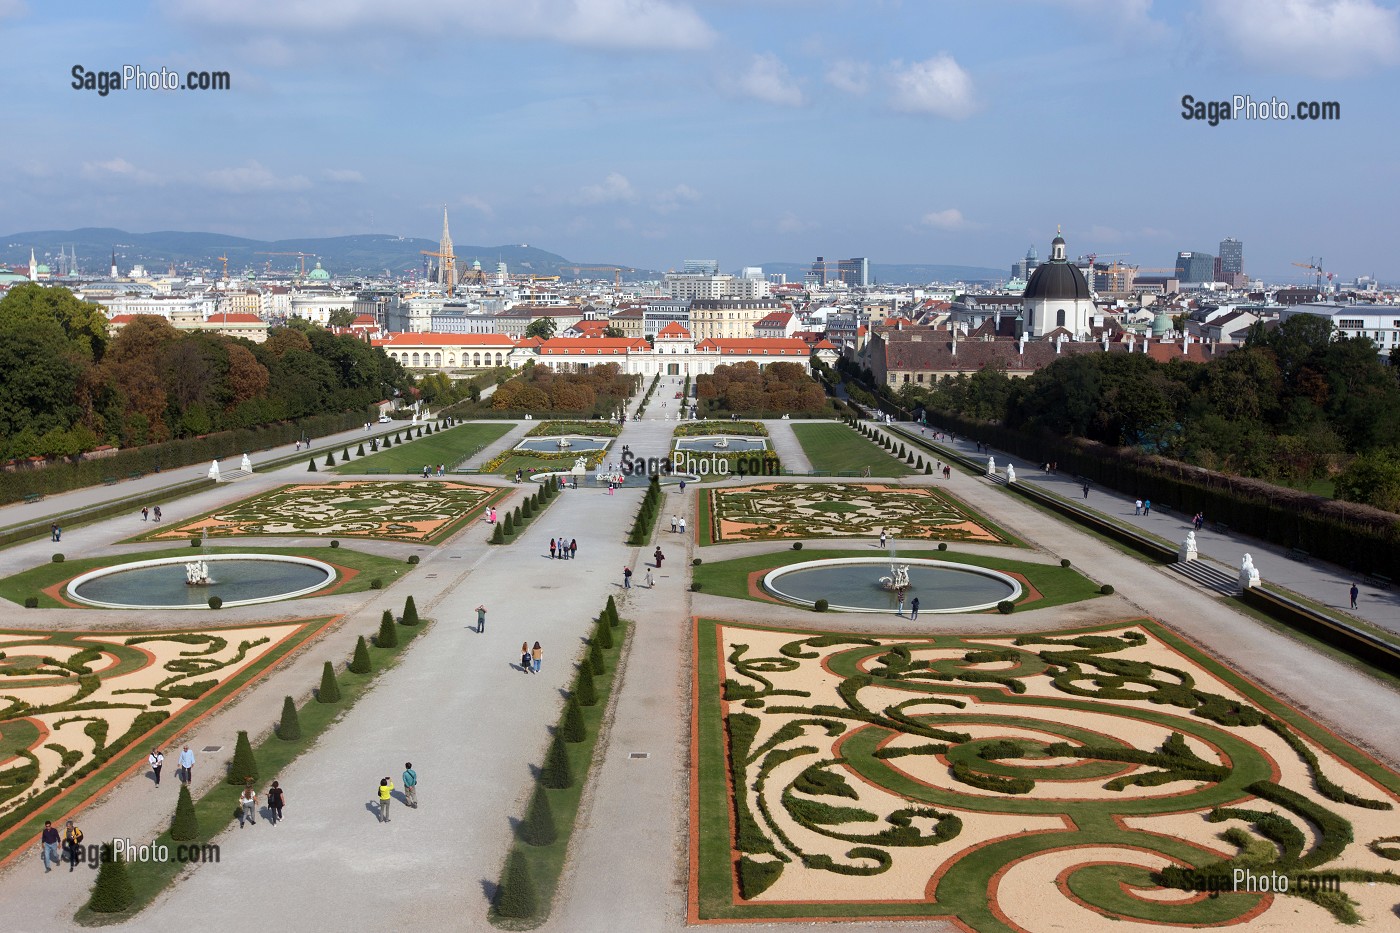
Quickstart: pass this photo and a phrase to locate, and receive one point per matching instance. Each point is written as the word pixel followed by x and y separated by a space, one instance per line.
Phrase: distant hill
pixel 363 254
pixel 900 273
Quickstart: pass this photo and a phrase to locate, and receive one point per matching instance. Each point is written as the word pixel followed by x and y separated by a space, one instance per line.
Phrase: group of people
pixel 55 532
pixel 530 657
pixel 384 793
pixel 248 804
pixel 185 765
pixel 566 550
pixel 50 839
pixel 428 470
pixel 150 513
pixel 627 576
pixel 678 523
pixel 1142 507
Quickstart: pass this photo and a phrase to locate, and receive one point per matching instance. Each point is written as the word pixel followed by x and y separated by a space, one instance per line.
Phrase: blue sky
pixel 650 131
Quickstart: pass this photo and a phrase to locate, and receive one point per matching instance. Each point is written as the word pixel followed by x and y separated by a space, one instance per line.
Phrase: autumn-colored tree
pixel 247 378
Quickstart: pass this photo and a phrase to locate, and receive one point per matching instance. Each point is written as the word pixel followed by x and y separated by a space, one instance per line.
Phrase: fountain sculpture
pixel 898 579
pixel 197 573
pixel 722 443
pixel 564 443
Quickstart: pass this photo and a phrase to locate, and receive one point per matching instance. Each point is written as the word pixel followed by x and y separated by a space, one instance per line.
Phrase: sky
pixel 646 132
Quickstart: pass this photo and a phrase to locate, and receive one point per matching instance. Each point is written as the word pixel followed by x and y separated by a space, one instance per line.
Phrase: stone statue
pixel 1187 551
pixel 246 465
pixel 991 466
pixel 564 443
pixel 1010 473
pixel 197 573
pixel 722 443
pixel 1249 574
pixel 214 471
pixel 580 466
pixel 898 579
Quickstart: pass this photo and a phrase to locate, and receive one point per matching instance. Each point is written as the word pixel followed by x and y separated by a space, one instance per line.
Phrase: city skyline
pixel 650 131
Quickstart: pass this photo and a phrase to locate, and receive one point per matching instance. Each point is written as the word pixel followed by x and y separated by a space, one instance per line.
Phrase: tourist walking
pixel 682 524
pixel 573 548
pixel 187 765
pixel 551 549
pixel 536 657
pixel 525 656
pixel 914 608
pixel 48 846
pixel 882 538
pixel 1146 507
pixel 73 844
pixel 626 578
pixel 410 785
pixel 659 557
pixel 248 801
pixel 650 582
pixel 481 620
pixel 54 532
pixel 1086 490
pixel 674 520
pixel 1137 506
pixel 1354 593
pixel 155 513
pixel 157 761
pixel 386 790
pixel 899 605
pixel 144 513
pixel 276 800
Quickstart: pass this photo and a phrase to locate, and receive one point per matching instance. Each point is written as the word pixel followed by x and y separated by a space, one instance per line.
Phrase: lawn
pixel 835 448
pixel 33 582
pixel 528 463
pixel 1057 585
pixel 451 446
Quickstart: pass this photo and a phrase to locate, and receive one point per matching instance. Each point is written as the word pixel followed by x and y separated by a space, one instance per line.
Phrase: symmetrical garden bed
pixel 772 511
pixel 587 428
pixel 702 428
pixel 423 511
pixel 82 707
pixel 1094 779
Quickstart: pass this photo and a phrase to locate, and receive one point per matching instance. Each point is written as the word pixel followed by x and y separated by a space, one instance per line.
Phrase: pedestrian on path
pixel 1086 490
pixel 248 801
pixel 551 549
pixel 1137 506
pixel 144 513
pixel 682 524
pixel 410 785
pixel 1146 507
pixel 187 765
pixel 1354 593
pixel 525 656
pixel 947 471
pixel 276 800
pixel 157 762
pixel 573 548
pixel 481 620
pixel 53 532
pixel 73 844
pixel 899 606
pixel 674 520
pixel 659 557
pixel 650 582
pixel 536 658
pixel 626 578
pixel 48 846
pixel 386 790
pixel 155 513
pixel 914 608
pixel 882 538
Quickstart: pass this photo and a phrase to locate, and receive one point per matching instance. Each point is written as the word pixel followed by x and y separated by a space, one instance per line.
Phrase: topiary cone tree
pixel 509 525
pixel 345 455
pixel 330 690
pixel 499 535
pixel 595 658
pixel 388 636
pixel 515 895
pixel 244 767
pixel 311 467
pixel 289 728
pixel 583 689
pixel 557 773
pixel 611 611
pixel 537 829
pixel 410 612
pixel 571 727
pixel 113 892
pixel 360 663
pixel 330 459
pixel 602 633
pixel 185 824
pixel 360 451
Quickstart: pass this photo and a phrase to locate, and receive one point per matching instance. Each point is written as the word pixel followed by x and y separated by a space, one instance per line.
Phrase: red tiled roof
pixel 439 340
pixel 674 330
pixel 234 317
pixel 757 346
pixel 582 346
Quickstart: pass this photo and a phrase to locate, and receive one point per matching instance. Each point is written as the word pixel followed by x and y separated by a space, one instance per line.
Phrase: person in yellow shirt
pixel 386 791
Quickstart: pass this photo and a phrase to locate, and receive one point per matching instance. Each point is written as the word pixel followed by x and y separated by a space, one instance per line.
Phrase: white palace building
pixel 676 352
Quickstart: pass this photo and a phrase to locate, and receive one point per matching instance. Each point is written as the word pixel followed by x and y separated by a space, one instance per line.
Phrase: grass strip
pixel 215 807
pixel 546 863
pixel 834 447
pixel 450 446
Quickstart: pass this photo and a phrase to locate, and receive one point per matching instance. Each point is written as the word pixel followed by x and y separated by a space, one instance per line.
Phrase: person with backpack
pixel 73 844
pixel 525 656
pixel 276 800
pixel 248 801
pixel 410 785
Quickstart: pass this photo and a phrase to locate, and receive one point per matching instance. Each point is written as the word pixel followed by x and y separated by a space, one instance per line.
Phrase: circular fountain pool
pixel 720 442
pixel 853 584
pixel 237 579
pixel 552 445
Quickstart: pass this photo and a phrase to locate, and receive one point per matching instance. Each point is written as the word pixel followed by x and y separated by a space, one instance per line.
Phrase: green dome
pixel 1162 325
pixel 42 269
pixel 318 274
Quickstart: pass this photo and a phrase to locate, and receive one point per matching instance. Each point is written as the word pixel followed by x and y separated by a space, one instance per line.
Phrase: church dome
pixel 321 275
pixel 1057 280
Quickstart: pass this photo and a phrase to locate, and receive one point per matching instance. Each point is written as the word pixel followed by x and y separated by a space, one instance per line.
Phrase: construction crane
pixel 615 270
pixel 1090 257
pixel 1315 265
pixel 447 268
pixel 541 278
pixel 301 257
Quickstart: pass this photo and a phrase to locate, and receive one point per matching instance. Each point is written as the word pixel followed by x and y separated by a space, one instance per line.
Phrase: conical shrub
pixel 330 690
pixel 330 460
pixel 509 525
pixel 289 728
pixel 410 612
pixel 360 451
pixel 516 513
pixel 557 773
pixel 388 636
pixel 602 633
pixel 611 611
pixel 595 659
pixel 499 535
pixel 571 727
pixel 244 767
pixel 526 510
pixel 537 829
pixel 184 826
pixel 583 689
pixel 311 467
pixel 360 663
pixel 113 892
pixel 388 442
pixel 373 445
pixel 515 895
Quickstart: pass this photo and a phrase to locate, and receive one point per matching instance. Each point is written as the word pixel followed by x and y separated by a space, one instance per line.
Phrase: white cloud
pixel 791 223
pixel 1323 38
pixel 605 24
pixel 671 199
pixel 768 79
pixel 476 204
pixel 11 9
pixel 614 189
pixel 948 219
pixel 1127 19
pixel 851 77
pixel 253 176
pixel 937 86
pixel 346 176
pixel 118 169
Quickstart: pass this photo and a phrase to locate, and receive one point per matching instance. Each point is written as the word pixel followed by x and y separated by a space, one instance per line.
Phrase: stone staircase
pixel 1209 576
pixel 234 475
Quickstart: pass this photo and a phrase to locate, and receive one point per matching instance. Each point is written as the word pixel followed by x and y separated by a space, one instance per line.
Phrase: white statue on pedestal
pixel 898 579
pixel 197 573
pixel 1010 473
pixel 246 465
pixel 580 466
pixel 991 466
pixel 1249 574
pixel 214 471
pixel 1187 551
pixel 564 443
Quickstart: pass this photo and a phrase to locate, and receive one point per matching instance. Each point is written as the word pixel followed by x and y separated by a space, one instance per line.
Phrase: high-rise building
pixel 854 272
pixel 1231 257
pixel 1022 268
pixel 701 267
pixel 1195 266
